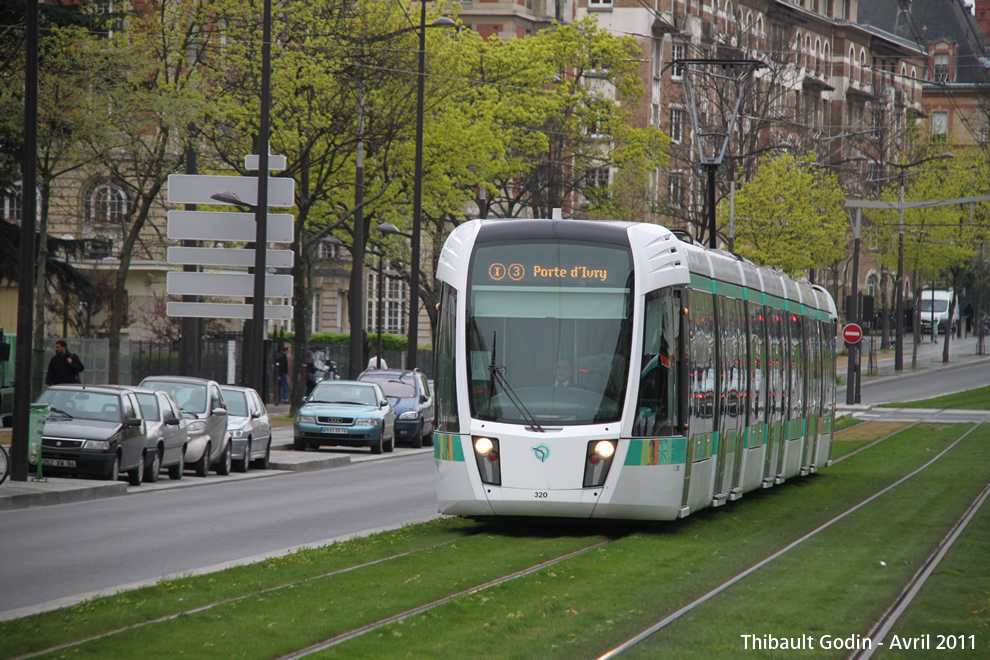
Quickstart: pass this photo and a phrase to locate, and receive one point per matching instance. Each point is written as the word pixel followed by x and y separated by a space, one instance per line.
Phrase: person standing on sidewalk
pixel 282 362
pixel 64 367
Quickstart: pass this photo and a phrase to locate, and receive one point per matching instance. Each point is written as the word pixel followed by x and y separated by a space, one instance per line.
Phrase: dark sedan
pixel 93 430
pixel 411 398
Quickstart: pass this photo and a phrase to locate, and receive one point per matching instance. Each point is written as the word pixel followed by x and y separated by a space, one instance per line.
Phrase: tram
pixel 601 369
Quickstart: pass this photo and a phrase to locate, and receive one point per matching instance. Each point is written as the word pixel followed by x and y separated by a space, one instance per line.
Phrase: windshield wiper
pixel 53 409
pixel 497 375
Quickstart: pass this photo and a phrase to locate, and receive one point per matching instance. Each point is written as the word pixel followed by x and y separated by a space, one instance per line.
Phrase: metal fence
pixel 220 359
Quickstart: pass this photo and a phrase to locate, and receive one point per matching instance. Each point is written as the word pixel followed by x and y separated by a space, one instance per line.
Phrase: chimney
pixel 982 11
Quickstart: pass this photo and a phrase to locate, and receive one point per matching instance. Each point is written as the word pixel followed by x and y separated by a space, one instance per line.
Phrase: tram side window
pixel 656 407
pixel 446 364
pixel 701 367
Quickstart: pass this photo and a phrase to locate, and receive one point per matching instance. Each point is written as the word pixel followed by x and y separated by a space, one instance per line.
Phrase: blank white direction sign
pixel 181 283
pixel 227 226
pixel 228 257
pixel 200 188
pixel 226 310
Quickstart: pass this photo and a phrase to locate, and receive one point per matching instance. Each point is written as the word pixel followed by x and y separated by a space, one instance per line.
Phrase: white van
pixel 934 305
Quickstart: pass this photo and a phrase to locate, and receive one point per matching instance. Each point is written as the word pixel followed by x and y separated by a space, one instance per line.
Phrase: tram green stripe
pixel 657 451
pixel 730 290
pixel 700 283
pixel 447 447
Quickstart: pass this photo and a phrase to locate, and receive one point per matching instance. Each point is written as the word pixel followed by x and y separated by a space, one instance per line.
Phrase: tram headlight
pixel 486 455
pixel 598 461
pixel 604 449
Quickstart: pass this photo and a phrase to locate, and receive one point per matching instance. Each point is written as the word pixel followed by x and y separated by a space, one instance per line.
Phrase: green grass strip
pixel 108 613
pixel 278 622
pixel 584 607
pixel 837 584
pixel 978 399
pixel 955 602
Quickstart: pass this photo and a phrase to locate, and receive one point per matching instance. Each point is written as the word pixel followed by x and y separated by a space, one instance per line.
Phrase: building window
pixel 677 53
pixel 597 176
pixel 675 184
pixel 13 204
pixel 317 312
pixel 393 301
pixel 106 203
pixel 599 5
pixel 941 70
pixel 940 126
pixel 676 126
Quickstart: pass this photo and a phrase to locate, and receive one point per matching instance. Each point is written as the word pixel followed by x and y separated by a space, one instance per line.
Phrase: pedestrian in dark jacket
pixel 64 367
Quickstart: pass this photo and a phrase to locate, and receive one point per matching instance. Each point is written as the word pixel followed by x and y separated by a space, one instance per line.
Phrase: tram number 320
pixel 540 494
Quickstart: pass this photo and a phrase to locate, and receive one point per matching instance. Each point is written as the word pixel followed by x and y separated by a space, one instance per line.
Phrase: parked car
pixel 168 432
pixel 411 398
pixel 201 402
pixel 94 430
pixel 249 427
pixel 348 413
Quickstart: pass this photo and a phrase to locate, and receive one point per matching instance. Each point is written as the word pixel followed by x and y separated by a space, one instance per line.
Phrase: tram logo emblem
pixel 542 452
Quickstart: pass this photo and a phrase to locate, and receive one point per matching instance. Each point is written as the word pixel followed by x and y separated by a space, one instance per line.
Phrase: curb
pixel 33 494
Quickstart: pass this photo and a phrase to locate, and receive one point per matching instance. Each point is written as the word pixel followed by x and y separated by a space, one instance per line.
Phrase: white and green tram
pixel 610 370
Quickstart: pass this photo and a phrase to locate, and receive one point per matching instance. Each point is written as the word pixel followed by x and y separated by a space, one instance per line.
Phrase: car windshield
pixel 149 406
pixel 236 402
pixel 83 405
pixel 191 397
pixel 940 305
pixel 394 387
pixel 360 395
pixel 548 325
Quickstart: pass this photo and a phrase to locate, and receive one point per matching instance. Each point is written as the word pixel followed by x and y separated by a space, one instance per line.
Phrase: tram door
pixel 814 398
pixel 700 355
pixel 777 346
pixel 732 388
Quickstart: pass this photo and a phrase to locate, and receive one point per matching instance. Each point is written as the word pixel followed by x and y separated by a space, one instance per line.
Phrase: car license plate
pixel 56 462
pixel 333 429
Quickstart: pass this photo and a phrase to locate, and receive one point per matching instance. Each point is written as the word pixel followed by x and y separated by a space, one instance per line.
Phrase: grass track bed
pixel 588 605
pixel 841 581
pixel 579 608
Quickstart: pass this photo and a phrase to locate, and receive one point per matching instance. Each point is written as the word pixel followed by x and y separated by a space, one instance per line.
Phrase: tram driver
pixel 563 373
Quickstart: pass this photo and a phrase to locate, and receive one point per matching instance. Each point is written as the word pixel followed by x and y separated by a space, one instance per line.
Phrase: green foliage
pixel 791 216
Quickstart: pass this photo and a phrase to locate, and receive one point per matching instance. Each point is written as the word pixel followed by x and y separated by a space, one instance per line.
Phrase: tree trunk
pixel 40 293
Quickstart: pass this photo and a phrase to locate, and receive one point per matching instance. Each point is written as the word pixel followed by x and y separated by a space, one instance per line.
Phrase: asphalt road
pixel 59 555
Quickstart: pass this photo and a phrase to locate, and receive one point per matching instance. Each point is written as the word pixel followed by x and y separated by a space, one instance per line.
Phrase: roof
pixel 927 21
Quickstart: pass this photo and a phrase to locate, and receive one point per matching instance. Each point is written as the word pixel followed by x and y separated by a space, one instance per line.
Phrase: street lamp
pixel 413 341
pixel 899 292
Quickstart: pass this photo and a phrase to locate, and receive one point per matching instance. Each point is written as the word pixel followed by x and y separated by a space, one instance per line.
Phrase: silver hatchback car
pixel 201 402
pixel 249 427
pixel 168 432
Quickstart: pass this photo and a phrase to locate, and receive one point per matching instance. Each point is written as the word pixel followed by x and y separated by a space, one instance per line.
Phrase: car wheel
pixel 203 464
pixel 175 471
pixel 416 442
pixel 428 439
pixel 151 473
pixel 390 445
pixel 223 465
pixel 114 473
pixel 263 463
pixel 135 475
pixel 242 464
pixel 298 445
pixel 377 447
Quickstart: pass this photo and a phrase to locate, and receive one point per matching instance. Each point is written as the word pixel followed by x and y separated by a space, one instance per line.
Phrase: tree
pixel 154 101
pixel 791 216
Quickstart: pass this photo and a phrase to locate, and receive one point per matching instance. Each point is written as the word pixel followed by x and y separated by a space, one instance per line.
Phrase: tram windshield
pixel 553 318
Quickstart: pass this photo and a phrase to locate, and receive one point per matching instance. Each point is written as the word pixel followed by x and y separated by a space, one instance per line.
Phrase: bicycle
pixel 4 464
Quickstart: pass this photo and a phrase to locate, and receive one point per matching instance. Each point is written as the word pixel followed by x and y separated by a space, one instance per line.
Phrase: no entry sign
pixel 852 333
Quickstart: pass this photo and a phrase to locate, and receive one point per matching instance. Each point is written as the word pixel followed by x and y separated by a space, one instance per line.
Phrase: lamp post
pixel 899 292
pixel 413 341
